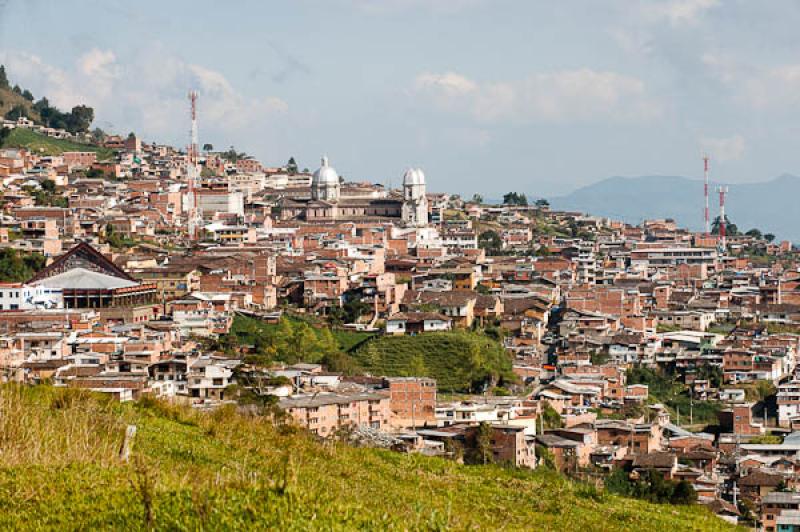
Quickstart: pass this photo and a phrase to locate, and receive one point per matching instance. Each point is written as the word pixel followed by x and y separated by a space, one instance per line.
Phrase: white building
pixel 325 185
pixel 208 377
pixel 788 402
pixel 210 202
pixel 17 296
pixel 415 202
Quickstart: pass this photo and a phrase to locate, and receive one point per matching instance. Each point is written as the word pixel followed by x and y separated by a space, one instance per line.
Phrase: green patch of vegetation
pixel 118 240
pixel 459 360
pixel 47 195
pixel 758 390
pixel 60 469
pixel 651 486
pixel 44 145
pixel 17 267
pixel 663 388
pixel 293 340
pixel 766 439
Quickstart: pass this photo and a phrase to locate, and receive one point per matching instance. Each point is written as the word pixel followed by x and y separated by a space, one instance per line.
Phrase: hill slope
pixel 44 145
pixel 59 469
pixel 768 206
pixel 456 360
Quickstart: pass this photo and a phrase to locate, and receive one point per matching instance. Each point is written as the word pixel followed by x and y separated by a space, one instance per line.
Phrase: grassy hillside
pixel 9 99
pixel 59 469
pixel 457 360
pixel 249 329
pixel 42 144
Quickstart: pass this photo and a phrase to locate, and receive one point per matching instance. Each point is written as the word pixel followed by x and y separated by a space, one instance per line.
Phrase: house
pixel 458 305
pixel 208 377
pixel 324 414
pixel 412 400
pixel 417 322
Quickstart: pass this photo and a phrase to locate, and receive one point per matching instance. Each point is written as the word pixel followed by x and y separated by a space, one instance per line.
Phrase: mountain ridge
pixel 766 205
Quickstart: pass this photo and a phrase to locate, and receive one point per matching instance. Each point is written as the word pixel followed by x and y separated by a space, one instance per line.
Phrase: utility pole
pixel 705 193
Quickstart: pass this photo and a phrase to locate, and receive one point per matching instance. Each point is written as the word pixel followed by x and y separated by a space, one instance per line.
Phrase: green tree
pixel 515 198
pixel 3 78
pixel 17 267
pixel 291 166
pixel 550 417
pixel 731 229
pixel 769 237
pixel 49 186
pixel 27 95
pixel 477 198
pixel 483 443
pixel 542 203
pixel 754 233
pixel 208 147
pixel 490 241
pixel 17 112
pixel 80 119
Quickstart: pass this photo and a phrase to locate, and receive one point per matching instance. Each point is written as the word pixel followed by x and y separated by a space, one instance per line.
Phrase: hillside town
pixel 407 318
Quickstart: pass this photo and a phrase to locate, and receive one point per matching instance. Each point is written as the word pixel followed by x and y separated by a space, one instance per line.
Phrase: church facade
pixel 328 201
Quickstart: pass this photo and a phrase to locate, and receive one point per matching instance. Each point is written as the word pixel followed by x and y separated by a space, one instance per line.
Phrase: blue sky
pixel 485 95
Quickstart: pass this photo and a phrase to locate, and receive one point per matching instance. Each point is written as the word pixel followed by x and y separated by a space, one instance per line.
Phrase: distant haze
pixel 769 206
pixel 487 96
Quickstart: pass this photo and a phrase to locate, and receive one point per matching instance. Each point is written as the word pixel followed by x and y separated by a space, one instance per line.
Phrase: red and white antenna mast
pixel 191 170
pixel 705 193
pixel 723 221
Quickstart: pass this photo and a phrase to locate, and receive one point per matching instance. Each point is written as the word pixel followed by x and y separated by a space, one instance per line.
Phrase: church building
pixel 330 202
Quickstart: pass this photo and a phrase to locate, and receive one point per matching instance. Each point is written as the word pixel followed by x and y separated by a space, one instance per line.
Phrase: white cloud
pixel 147 94
pixel 724 149
pixel 758 86
pixel 677 11
pixel 563 96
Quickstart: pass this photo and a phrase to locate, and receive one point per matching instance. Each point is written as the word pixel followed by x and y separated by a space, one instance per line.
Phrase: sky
pixel 486 96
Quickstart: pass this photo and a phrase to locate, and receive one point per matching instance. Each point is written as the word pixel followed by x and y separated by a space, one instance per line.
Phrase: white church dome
pixel 414 176
pixel 325 175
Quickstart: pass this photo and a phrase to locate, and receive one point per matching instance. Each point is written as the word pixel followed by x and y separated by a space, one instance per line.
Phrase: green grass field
pixel 247 329
pixel 457 360
pixel 60 470
pixel 44 145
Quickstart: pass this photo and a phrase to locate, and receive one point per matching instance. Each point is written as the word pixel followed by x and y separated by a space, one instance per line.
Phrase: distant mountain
pixel 771 206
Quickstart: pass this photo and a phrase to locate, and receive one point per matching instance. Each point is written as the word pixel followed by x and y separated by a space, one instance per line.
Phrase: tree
pixel 79 120
pixel 477 198
pixel 550 417
pixel 754 233
pixel 49 186
pixel 730 228
pixel 17 90
pixel 3 78
pixel 490 241
pixel 208 147
pixel 291 166
pixel 4 133
pixel 27 95
pixel 515 198
pixel 98 134
pixel 483 443
pixel 769 237
pixel 16 267
pixel 684 493
pixel 542 203
pixel 16 113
